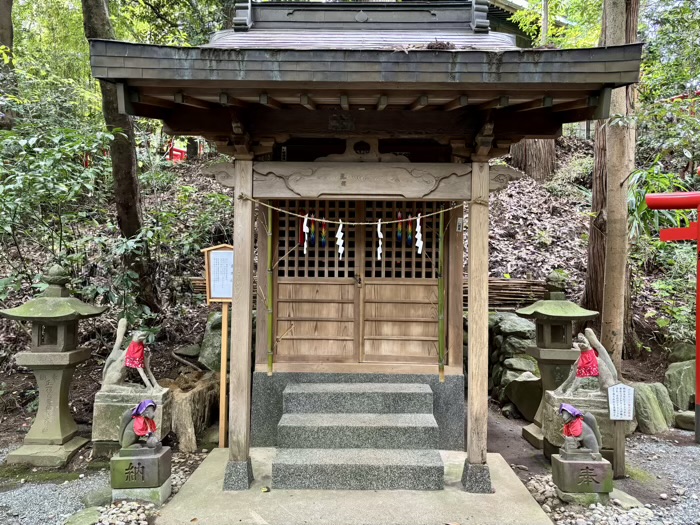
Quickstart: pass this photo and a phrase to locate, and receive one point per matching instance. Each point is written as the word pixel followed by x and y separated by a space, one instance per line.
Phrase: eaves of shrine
pixel 408 70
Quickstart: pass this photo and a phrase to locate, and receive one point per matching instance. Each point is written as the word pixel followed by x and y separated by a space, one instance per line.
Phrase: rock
pixel 192 409
pixel 525 393
pixel 513 346
pixel 496 373
pixel 682 352
pixel 89 516
pixel 685 420
pixel 210 437
pixel 517 326
pixel 508 377
pixel 582 498
pixel 663 495
pixel 498 341
pixel 188 351
pixel 495 319
pixel 523 363
pixel 210 353
pixel 680 382
pixel 653 407
pixel 624 500
pixel 510 411
pixel 98 498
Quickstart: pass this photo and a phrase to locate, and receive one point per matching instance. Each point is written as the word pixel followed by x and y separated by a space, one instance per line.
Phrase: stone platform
pixel 511 504
pixel 109 407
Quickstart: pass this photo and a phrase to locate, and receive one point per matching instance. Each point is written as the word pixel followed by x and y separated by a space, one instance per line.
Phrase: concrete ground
pixel 201 500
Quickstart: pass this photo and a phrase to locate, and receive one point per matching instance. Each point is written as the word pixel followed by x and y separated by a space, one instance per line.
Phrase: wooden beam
pixel 499 102
pixel 419 103
pixel 544 102
pixel 455 276
pixel 382 103
pixel 267 100
pixel 483 141
pixel 241 315
pixel 124 106
pixel 576 104
pixel 457 103
pixel 478 346
pixel 181 98
pixel 307 102
pixel 226 100
pixel 344 103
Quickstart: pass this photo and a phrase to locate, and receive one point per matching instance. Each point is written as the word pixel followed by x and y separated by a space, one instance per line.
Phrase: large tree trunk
pixel 124 167
pixel 6 73
pixel 593 291
pixel 536 157
pixel 621 19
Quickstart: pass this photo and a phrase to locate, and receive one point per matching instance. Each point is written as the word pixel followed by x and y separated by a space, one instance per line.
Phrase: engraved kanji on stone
pixel 135 472
pixel 586 476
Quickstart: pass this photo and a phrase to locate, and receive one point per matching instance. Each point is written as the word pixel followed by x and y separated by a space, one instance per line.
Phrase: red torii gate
pixel 684 201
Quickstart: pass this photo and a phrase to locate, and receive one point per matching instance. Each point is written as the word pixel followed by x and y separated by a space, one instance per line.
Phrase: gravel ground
pixel 47 503
pixel 52 504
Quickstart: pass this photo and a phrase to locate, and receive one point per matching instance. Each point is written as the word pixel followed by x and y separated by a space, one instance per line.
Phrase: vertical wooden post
pixel 455 278
pixel 223 386
pixel 477 376
pixel 241 314
pixel 619 449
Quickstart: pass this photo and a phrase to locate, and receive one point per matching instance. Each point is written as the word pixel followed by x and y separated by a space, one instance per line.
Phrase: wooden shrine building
pixel 361 112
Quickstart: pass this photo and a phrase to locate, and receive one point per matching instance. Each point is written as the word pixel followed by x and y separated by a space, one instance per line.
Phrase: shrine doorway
pixel 358 309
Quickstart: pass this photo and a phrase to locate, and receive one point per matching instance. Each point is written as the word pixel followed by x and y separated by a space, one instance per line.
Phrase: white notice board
pixel 621 402
pixel 218 264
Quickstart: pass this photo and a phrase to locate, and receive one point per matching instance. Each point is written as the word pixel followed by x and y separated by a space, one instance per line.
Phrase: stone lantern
pixel 53 356
pixel 555 352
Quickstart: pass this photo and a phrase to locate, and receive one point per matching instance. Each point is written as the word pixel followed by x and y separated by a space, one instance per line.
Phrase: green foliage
pixel 572 23
pixel 672 53
pixel 572 179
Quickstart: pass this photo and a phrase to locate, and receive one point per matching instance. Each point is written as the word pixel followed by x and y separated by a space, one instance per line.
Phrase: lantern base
pixel 47 455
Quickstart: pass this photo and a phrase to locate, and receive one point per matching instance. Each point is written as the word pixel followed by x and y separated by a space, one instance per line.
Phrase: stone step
pixel 385 431
pixel 358 469
pixel 377 398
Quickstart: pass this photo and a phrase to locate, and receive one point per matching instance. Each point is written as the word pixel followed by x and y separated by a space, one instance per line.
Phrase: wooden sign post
pixel 621 406
pixel 218 272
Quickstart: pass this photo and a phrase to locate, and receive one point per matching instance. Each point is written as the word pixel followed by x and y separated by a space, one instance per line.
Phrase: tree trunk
pixel 620 27
pixel 127 193
pixel 6 73
pixel 593 291
pixel 228 8
pixel 536 157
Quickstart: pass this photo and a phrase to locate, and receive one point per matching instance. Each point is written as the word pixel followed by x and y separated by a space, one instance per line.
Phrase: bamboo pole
pixel 223 386
pixel 270 292
pixel 441 298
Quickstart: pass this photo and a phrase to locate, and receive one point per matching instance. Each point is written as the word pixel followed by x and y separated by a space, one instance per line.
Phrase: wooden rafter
pixel 345 102
pixel 306 101
pixel 459 102
pixel 181 98
pixel 226 100
pixel 382 103
pixel 267 100
pixel 499 102
pixel 544 102
pixel 577 104
pixel 419 103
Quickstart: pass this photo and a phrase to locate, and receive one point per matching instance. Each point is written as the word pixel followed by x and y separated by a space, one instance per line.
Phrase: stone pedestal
pixel 593 401
pixel 476 478
pixel 555 365
pixel 581 475
pixel 52 440
pixel 238 475
pixel 139 473
pixel 109 407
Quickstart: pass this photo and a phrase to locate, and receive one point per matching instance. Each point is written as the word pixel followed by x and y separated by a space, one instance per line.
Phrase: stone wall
pixel 509 336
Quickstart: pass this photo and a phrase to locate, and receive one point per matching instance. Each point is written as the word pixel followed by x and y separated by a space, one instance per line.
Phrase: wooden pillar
pixel 455 278
pixel 241 314
pixel 477 376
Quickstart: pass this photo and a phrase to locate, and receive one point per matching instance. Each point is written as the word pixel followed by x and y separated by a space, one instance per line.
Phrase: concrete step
pixel 377 398
pixel 358 469
pixel 398 431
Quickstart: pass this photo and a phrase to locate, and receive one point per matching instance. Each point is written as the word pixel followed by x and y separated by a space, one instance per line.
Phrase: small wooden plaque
pixel 218 273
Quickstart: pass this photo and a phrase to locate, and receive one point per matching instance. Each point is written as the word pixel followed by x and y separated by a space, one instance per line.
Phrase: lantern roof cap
pixel 556 309
pixel 54 305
